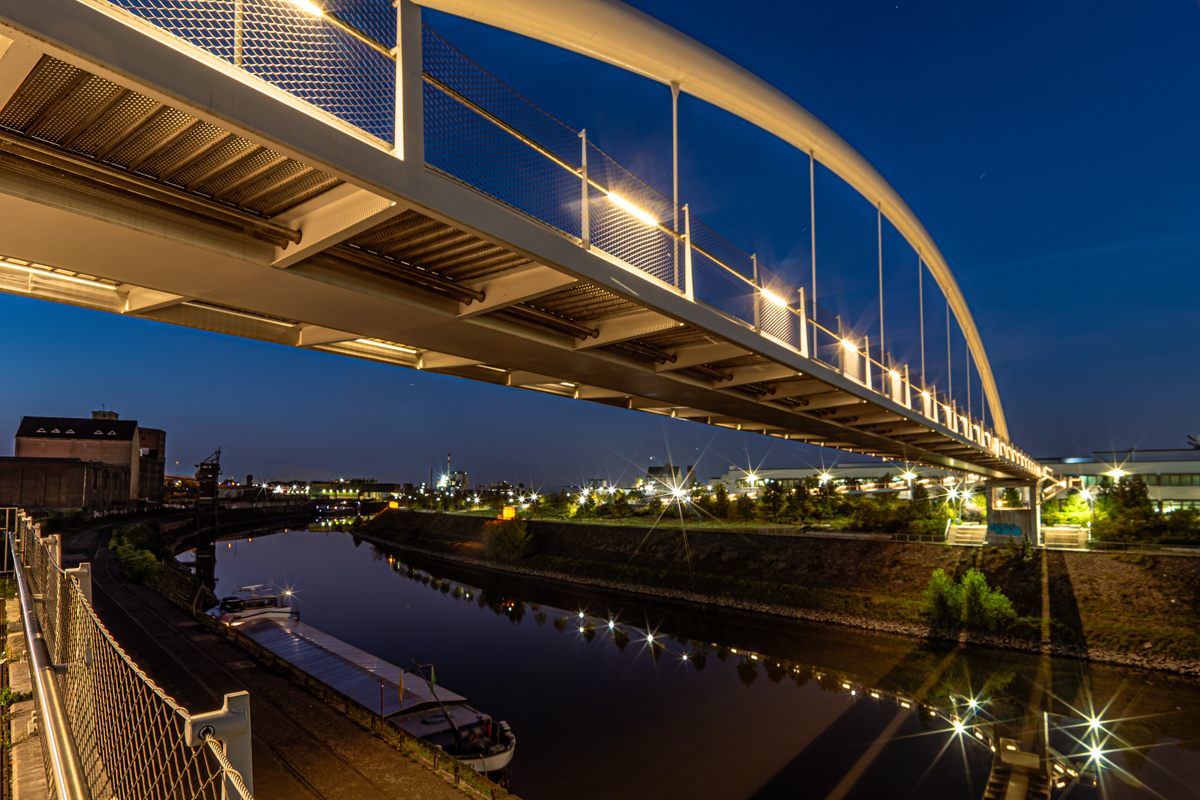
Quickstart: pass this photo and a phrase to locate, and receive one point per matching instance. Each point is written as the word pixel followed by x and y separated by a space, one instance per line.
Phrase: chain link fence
pixel 124 737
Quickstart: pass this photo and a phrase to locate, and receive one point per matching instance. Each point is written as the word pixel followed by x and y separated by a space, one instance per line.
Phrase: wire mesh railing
pixel 109 731
pixel 339 56
pixel 288 47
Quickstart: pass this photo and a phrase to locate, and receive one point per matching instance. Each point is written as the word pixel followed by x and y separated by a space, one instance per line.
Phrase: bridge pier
pixel 1005 522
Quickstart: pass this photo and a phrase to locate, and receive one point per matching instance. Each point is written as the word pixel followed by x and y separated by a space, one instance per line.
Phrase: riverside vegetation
pixel 1120 512
pixel 1131 608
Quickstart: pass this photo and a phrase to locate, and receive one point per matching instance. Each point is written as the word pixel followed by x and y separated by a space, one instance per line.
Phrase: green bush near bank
pixel 970 603
pixel 137 547
pixel 508 541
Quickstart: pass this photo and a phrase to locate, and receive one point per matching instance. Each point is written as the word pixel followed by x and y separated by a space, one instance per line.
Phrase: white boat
pixel 465 733
pixel 255 603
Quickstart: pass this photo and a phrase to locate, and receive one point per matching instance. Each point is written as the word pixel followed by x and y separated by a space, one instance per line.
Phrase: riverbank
pixel 308 741
pixel 1133 610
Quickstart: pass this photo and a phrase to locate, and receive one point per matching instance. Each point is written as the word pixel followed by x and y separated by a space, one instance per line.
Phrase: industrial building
pixel 56 484
pixel 70 462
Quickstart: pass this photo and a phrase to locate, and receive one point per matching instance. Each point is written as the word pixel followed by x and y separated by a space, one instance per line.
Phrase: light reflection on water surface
pixel 641 698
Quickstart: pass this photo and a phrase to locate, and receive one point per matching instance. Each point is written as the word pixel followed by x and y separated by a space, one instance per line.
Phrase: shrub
pixel 943 600
pixel 508 541
pixel 971 603
pixel 982 606
pixel 66 521
pixel 137 565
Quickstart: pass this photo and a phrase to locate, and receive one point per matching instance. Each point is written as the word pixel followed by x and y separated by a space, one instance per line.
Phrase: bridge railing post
pixel 757 295
pixel 410 87
pixel 585 234
pixel 689 284
pixel 805 350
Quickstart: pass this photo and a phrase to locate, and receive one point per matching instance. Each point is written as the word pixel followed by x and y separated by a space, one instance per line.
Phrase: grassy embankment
pixel 1098 602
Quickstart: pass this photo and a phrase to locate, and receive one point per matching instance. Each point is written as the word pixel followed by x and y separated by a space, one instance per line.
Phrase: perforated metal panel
pixel 416 239
pixel 583 303
pixel 89 116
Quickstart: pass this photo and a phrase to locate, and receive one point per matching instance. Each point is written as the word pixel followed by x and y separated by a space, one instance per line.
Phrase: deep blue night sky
pixel 1049 148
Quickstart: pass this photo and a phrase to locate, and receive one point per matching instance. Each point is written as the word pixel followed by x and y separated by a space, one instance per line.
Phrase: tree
pixel 772 502
pixel 1126 513
pixel 743 510
pixel 720 508
pixel 1010 498
pixel 620 504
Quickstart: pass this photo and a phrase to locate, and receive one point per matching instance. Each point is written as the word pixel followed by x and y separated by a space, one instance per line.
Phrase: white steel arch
pixel 618 34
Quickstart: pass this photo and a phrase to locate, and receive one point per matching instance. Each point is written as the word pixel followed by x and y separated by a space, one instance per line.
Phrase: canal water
pixel 675 700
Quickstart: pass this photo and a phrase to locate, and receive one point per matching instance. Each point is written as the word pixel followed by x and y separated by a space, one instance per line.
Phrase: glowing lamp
pixel 309 6
pixel 774 298
pixel 849 345
pixel 622 203
pixel 381 344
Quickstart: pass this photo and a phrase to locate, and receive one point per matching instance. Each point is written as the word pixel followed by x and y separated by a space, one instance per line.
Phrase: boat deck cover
pixel 355 673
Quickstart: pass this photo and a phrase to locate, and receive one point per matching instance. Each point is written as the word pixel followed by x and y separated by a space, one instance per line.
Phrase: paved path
pixel 303 748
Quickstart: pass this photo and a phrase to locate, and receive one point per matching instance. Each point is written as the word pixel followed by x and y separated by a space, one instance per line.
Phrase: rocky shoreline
pixel 1155 662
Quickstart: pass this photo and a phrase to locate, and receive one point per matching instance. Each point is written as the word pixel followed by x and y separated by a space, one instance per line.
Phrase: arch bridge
pixel 337 176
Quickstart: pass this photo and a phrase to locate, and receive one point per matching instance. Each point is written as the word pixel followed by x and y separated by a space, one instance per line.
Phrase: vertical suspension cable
pixel 968 381
pixel 812 225
pixel 921 311
pixel 675 167
pixel 949 360
pixel 879 231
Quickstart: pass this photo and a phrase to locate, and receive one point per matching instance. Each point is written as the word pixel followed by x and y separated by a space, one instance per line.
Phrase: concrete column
pixel 1006 524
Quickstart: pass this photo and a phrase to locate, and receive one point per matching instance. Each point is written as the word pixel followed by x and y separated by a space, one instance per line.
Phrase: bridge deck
pixel 179 214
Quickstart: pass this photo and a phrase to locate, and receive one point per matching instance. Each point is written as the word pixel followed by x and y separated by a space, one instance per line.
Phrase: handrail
pixel 65 764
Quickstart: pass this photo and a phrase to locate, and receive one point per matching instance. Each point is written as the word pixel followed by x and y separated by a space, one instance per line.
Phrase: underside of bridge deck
pixel 116 199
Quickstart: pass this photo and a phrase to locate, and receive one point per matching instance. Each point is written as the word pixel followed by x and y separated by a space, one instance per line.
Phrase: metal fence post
pixel 83 574
pixel 231 727
pixel 585 232
pixel 690 290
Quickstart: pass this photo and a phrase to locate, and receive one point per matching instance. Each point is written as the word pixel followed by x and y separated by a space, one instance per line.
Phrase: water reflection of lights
pixel 966 715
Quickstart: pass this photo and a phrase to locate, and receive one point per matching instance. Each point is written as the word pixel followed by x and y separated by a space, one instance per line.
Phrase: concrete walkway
pixel 303 748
